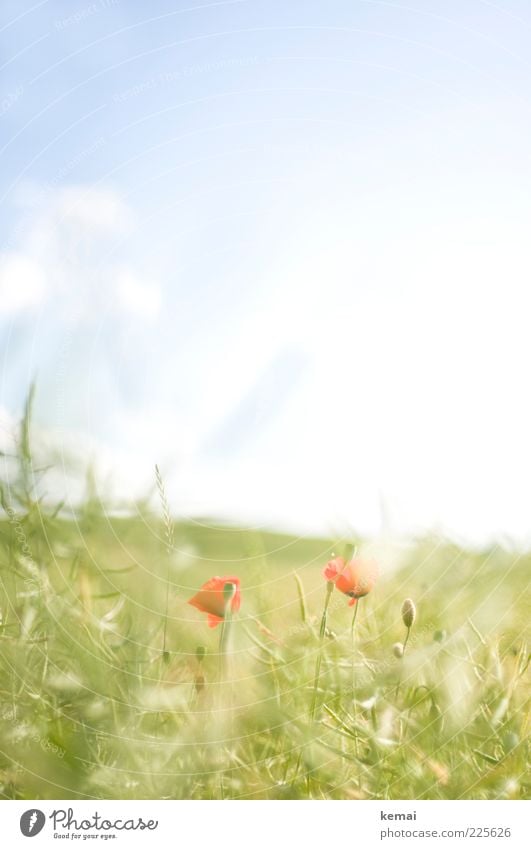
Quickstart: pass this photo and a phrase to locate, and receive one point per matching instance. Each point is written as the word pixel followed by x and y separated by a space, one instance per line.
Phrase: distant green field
pixel 94 705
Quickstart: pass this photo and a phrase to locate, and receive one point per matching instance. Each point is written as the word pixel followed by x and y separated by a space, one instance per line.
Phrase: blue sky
pixel 279 248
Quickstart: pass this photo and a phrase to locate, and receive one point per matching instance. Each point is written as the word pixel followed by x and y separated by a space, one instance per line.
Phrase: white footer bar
pixel 266 825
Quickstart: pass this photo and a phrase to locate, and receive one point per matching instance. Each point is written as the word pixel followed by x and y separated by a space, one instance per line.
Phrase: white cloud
pixel 22 283
pixel 98 211
pixel 67 248
pixel 136 296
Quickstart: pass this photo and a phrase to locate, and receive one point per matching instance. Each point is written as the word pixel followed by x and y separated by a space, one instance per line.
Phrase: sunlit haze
pixel 280 249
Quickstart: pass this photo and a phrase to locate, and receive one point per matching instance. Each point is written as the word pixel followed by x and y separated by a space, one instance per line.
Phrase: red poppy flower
pixel 355 578
pixel 210 599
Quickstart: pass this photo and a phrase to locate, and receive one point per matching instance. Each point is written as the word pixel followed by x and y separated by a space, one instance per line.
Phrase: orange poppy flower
pixel 355 578
pixel 210 599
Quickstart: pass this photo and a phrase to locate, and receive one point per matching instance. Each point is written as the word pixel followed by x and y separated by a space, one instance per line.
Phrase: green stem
pixel 353 643
pixel 229 591
pixel 353 646
pixel 223 644
pixel 322 631
pixel 317 674
pixel 401 661
pixel 165 655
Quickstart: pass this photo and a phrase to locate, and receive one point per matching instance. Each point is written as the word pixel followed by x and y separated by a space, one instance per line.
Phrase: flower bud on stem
pixel 409 614
pixel 229 591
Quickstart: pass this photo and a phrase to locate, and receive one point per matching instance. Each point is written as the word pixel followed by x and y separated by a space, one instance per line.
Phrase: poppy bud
pixel 200 653
pixel 436 716
pixel 398 650
pixel 348 552
pixel 199 682
pixel 229 591
pixel 510 741
pixel 409 612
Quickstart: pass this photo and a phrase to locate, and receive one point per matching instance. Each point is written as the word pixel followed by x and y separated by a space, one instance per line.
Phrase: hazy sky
pixel 279 247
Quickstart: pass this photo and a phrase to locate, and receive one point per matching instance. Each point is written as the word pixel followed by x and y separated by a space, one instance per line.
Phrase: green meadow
pixel 113 686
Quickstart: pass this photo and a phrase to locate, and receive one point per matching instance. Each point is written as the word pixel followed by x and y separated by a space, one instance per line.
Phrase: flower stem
pixel 229 591
pixel 402 660
pixel 353 642
pixel 322 631
pixel 405 641
pixel 353 646
pixel 317 674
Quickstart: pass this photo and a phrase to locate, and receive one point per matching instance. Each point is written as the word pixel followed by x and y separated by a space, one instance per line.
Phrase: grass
pixel 110 682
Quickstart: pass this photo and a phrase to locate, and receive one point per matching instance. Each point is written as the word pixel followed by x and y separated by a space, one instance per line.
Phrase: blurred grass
pixel 90 706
